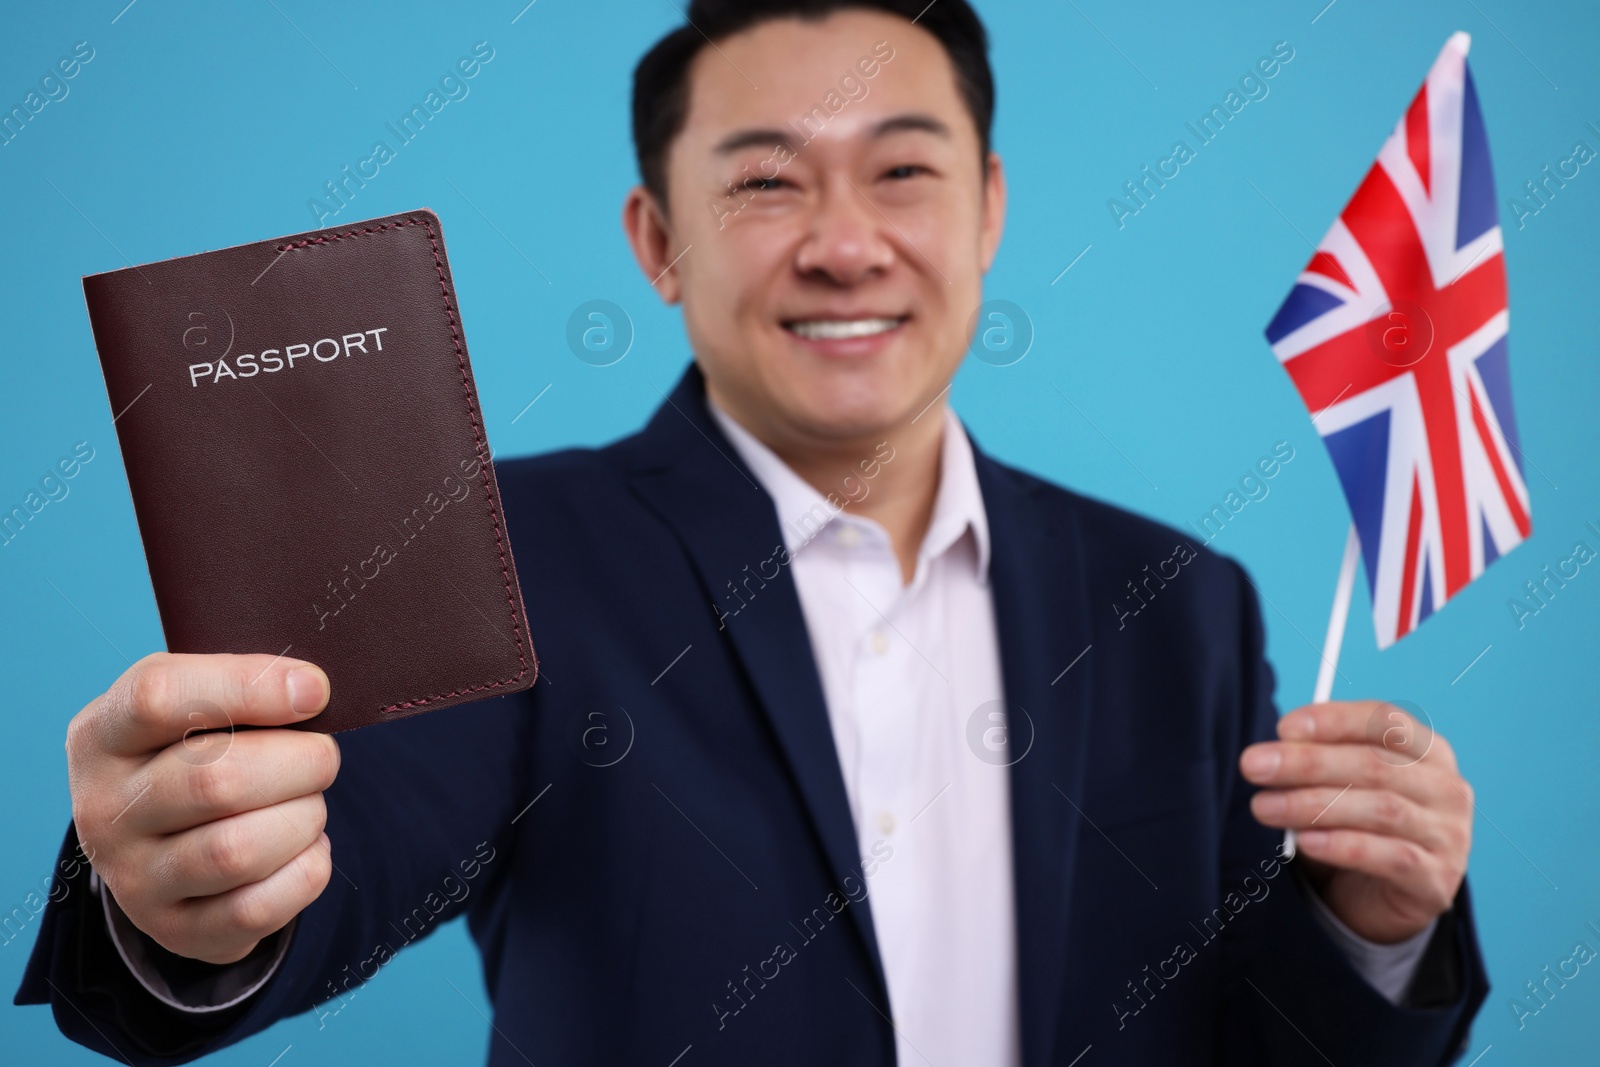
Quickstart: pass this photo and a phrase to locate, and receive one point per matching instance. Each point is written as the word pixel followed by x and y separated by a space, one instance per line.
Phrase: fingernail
pixel 1298 727
pixel 1270 805
pixel 308 690
pixel 322 839
pixel 1312 839
pixel 1262 762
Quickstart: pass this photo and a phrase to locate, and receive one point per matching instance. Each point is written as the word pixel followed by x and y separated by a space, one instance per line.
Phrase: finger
pixel 1388 726
pixel 258 769
pixel 1282 764
pixel 223 928
pixel 165 697
pixel 240 849
pixel 1404 863
pixel 1378 811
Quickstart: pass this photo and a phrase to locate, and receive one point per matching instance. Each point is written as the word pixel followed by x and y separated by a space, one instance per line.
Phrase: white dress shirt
pixel 906 670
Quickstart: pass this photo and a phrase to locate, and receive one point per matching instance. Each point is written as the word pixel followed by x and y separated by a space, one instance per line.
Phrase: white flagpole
pixel 1332 642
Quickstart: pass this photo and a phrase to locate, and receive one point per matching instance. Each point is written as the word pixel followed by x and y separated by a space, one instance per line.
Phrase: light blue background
pixel 198 126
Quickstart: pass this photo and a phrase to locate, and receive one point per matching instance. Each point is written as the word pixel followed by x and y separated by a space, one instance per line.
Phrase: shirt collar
pixel 803 511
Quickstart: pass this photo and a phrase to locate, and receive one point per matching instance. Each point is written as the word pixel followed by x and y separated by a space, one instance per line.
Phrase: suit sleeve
pixel 420 821
pixel 1289 994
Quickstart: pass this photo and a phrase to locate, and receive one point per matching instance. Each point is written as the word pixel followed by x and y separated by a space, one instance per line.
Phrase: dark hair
pixel 661 80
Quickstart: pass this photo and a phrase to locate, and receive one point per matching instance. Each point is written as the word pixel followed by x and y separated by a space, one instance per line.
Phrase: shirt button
pixel 886 822
pixel 849 536
pixel 880 642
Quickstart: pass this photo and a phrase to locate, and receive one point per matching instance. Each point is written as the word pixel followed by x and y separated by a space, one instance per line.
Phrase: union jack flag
pixel 1395 336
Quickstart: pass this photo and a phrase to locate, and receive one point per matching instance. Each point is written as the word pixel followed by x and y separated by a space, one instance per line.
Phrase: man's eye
pixel 761 184
pixel 906 170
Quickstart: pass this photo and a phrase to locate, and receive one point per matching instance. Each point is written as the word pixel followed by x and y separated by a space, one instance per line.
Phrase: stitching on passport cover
pixel 477 433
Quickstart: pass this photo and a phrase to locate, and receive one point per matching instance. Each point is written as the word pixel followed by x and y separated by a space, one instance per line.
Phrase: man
pixel 877 778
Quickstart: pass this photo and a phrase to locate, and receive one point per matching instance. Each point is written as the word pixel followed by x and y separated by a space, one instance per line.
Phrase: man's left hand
pixel 1384 818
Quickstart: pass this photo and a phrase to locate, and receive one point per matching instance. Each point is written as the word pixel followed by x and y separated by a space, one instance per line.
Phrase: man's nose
pixel 845 241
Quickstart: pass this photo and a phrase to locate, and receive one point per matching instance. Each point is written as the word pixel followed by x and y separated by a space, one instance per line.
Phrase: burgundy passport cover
pixel 308 464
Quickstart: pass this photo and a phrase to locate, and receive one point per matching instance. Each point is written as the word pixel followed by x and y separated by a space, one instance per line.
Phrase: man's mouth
pixel 841 329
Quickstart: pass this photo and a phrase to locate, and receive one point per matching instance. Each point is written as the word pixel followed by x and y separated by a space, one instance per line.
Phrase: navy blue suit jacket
pixel 689 874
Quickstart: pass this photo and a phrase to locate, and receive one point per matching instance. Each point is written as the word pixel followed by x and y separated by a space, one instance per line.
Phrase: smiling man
pixel 842 760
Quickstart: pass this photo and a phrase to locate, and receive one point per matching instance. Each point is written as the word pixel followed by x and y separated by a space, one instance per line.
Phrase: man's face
pixel 827 294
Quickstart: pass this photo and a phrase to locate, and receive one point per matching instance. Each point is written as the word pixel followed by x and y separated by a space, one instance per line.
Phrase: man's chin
pixel 833 404
pixel 836 417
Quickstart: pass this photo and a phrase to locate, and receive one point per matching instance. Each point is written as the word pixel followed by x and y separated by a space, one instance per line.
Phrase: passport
pixel 309 467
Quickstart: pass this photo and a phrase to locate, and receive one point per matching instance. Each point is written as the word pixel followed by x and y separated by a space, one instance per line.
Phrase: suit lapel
pixel 1042 617
pixel 690 474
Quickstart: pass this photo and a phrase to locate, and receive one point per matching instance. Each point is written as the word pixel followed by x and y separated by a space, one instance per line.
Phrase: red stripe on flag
pixel 1408 574
pixel 1518 515
pixel 1417 135
pixel 1324 264
pixel 1474 298
pixel 1380 222
pixel 1341 365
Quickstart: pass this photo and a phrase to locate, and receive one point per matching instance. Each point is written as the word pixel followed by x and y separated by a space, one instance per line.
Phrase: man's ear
pixel 650 236
pixel 994 209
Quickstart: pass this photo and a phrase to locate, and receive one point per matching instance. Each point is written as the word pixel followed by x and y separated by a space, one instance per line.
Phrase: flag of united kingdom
pixel 1395 336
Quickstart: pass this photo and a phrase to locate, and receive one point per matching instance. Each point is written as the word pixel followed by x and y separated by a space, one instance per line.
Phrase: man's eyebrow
pixel 741 139
pixel 772 135
pixel 914 120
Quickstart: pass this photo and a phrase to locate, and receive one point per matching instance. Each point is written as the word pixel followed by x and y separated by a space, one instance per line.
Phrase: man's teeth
pixel 837 330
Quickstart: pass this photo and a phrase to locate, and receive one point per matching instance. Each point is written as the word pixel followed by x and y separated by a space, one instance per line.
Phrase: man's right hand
pixel 209 842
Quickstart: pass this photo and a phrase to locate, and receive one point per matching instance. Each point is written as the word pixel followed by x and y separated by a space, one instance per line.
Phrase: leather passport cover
pixel 309 468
